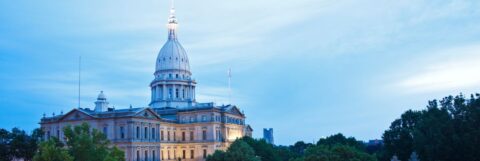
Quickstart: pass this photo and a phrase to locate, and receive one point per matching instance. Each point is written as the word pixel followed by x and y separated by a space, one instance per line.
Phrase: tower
pixel 268 135
pixel 173 85
pixel 101 104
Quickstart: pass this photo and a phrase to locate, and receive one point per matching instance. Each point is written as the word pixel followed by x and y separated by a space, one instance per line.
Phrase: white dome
pixel 101 96
pixel 172 56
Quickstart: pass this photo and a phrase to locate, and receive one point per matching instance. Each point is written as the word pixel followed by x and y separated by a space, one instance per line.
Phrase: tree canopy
pixel 445 130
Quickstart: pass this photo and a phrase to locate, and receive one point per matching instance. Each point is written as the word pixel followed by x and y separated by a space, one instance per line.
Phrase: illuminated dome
pixel 172 56
pixel 173 86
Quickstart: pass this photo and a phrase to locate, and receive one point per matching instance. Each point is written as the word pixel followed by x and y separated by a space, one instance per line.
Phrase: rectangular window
pixel 174 136
pixel 138 132
pixel 184 154
pixel 48 134
pixel 153 155
pixel 191 135
pixel 153 133
pixel 105 131
pixel 146 155
pixel 161 155
pixel 204 134
pixel 161 135
pixel 138 155
pixel 145 135
pixel 168 135
pixel 192 154
pixel 58 134
pixel 176 93
pixel 183 135
pixel 204 153
pixel 122 132
pixel 168 154
pixel 174 154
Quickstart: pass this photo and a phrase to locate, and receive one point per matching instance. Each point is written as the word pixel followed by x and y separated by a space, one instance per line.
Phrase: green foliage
pixel 218 155
pixel 336 152
pixel 86 144
pixel 52 150
pixel 238 151
pixel 342 140
pixel 115 155
pixel 334 148
pixel 298 149
pixel 18 144
pixel 446 130
pixel 262 149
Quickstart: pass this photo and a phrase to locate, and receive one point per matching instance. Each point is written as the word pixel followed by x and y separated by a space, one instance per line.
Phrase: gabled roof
pixel 232 109
pixel 131 112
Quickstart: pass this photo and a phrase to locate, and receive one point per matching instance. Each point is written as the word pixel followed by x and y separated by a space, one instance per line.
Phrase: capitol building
pixel 173 127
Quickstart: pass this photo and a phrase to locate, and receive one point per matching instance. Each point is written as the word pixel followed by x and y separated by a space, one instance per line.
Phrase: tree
pixel 342 140
pixel 262 149
pixel 115 155
pixel 240 151
pixel 5 139
pixel 52 150
pixel 413 157
pixel 298 149
pixel 218 155
pixel 398 139
pixel 86 144
pixel 337 152
pixel 445 130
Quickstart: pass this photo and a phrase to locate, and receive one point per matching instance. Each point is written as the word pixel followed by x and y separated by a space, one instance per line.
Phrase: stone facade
pixel 173 127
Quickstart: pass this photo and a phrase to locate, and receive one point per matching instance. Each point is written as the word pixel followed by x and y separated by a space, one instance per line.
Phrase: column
pixel 157 96
pixel 164 96
pixel 181 92
pixel 154 93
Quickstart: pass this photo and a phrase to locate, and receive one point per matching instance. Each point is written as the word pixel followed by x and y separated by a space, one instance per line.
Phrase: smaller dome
pixel 101 96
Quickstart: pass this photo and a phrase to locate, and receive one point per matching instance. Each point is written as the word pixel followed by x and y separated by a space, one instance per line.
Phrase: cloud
pixel 445 69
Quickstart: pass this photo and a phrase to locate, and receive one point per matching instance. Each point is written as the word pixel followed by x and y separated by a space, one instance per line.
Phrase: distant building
pixel 268 135
pixel 173 127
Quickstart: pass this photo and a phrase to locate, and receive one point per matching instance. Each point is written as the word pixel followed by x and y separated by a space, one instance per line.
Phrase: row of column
pixel 160 92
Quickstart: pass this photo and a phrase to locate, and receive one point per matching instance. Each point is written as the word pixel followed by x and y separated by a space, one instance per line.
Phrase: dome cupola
pixel 173 85
pixel 172 56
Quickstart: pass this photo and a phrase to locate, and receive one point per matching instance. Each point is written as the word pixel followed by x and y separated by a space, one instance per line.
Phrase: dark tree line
pixel 84 144
pixel 333 148
pixel 18 144
pixel 446 130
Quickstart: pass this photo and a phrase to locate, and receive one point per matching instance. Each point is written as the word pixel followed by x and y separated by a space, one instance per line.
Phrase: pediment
pixel 234 110
pixel 147 113
pixel 76 114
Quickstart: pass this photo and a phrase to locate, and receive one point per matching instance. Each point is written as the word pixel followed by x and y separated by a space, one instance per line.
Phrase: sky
pixel 306 68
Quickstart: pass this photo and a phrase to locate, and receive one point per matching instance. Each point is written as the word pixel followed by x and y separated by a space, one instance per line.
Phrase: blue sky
pixel 307 68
